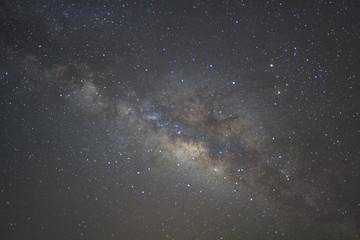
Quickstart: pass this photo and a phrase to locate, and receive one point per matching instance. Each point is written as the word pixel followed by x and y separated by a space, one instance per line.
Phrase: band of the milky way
pixel 179 120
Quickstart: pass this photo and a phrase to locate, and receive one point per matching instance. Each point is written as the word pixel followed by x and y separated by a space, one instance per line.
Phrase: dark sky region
pixel 180 120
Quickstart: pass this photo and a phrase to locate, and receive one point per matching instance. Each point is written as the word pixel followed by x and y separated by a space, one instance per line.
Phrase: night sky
pixel 180 119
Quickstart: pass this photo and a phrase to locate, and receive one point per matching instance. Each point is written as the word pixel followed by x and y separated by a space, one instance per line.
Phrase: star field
pixel 180 120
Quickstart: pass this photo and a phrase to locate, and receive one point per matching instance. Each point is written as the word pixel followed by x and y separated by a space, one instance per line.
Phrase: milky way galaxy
pixel 179 120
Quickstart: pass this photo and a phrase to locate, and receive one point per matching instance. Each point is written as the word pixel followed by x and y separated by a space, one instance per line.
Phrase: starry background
pixel 180 120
